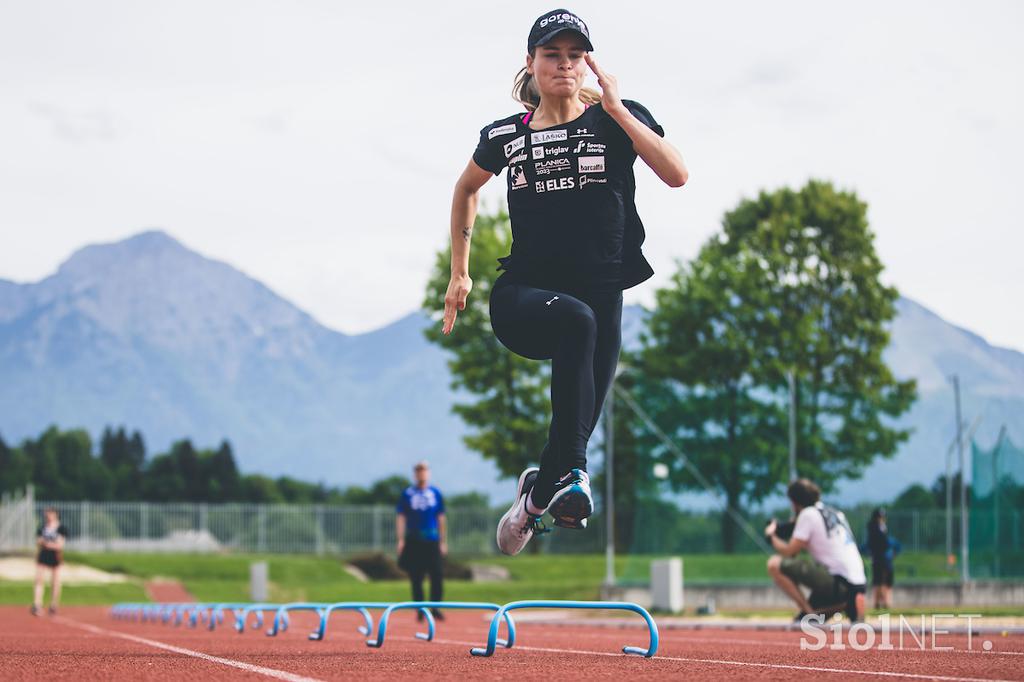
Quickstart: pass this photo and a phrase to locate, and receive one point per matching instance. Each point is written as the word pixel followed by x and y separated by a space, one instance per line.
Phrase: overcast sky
pixel 314 145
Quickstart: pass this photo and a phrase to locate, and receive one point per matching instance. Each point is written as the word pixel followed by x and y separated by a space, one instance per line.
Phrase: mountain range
pixel 149 334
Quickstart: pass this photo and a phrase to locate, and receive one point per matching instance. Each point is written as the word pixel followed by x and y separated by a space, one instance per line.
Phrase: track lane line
pixel 679 637
pixel 753 664
pixel 261 670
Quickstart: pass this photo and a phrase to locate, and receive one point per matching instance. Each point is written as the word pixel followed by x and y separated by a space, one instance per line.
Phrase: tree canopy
pixel 791 285
pixel 62 465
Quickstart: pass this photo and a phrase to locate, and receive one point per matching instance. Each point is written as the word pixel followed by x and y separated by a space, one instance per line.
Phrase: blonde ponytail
pixel 525 91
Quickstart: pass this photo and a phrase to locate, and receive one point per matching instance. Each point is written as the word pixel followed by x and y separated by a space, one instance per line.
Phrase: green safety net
pixel 996 511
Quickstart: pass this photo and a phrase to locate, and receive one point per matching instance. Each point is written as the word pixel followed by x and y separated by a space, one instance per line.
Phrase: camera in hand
pixel 784 530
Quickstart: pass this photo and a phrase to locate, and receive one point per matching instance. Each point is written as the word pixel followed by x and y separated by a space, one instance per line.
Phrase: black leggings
pixel 581 334
pixel 423 558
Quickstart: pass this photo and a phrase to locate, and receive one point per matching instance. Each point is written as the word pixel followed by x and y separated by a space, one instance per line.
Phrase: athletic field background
pixel 298 578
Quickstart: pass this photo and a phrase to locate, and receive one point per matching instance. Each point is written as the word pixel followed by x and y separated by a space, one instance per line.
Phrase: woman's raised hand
pixel 455 300
pixel 609 86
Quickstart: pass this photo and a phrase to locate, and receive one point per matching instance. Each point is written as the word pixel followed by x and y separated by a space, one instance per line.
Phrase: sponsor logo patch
pixel 517 158
pixel 554 184
pixel 587 180
pixel 548 136
pixel 582 132
pixel 552 166
pixel 591 164
pixel 588 147
pixel 555 151
pixel 501 130
pixel 518 175
pixel 538 152
pixel 515 145
pixel 563 19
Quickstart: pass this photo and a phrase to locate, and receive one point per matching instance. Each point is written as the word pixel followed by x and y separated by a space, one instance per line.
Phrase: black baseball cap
pixel 554 22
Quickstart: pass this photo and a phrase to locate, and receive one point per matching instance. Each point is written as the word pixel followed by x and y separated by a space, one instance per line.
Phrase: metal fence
pixel 323 529
pixel 17 520
pixel 273 528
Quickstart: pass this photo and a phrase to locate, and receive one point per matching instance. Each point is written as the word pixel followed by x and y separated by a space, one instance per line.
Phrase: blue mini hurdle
pixel 492 634
pixel 242 616
pixel 280 623
pixel 424 607
pixel 324 610
pixel 212 613
pixel 362 607
pixel 217 612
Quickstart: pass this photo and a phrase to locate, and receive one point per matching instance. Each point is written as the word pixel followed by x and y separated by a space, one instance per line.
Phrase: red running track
pixel 85 644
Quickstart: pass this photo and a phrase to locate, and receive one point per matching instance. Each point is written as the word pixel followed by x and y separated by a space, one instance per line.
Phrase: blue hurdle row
pixel 212 614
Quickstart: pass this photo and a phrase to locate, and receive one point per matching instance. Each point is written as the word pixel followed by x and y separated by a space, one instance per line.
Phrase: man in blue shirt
pixel 422 532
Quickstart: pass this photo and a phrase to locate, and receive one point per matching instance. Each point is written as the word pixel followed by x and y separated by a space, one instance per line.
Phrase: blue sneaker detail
pixel 572 502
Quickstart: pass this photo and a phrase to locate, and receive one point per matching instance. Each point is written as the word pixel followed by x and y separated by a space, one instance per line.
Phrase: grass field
pixel 76 595
pixel 225 577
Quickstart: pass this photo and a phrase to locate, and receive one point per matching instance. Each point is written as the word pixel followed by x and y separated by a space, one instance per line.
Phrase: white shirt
pixel 830 542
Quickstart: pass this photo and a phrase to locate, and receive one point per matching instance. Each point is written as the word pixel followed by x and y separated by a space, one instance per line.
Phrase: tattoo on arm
pixel 467 232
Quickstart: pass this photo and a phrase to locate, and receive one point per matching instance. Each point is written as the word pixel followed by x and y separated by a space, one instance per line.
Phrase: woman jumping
pixel 576 246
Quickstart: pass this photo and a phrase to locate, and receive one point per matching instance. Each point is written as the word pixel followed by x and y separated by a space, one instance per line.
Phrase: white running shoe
pixel 517 526
pixel 572 502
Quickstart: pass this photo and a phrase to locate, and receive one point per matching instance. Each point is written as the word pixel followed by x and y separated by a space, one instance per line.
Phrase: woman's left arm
pixel 664 159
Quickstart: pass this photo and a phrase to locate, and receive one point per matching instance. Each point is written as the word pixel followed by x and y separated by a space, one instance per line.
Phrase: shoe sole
pixel 572 508
pixel 515 503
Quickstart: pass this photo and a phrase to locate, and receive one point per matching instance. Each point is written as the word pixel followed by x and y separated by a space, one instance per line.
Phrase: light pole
pixel 949 503
pixel 995 500
pixel 791 378
pixel 609 479
pixel 609 488
pixel 950 561
pixel 964 571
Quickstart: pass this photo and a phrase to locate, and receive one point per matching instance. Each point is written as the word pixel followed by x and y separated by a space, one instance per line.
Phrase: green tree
pixel 473 498
pixel 701 344
pixel 222 472
pixel 791 285
pixel 124 457
pixel 634 483
pixel 257 488
pixel 189 465
pixel 63 466
pixel 113 447
pixel 385 491
pixel 163 481
pixel 300 492
pixel 915 496
pixel 510 412
pixel 938 490
pixel 137 451
pixel 15 469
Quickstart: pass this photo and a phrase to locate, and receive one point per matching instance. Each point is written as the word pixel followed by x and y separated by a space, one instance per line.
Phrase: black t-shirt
pixel 571 199
pixel 50 534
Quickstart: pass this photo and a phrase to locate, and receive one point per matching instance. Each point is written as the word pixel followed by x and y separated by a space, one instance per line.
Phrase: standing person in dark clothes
pixel 422 531
pixel 576 238
pixel 883 549
pixel 50 540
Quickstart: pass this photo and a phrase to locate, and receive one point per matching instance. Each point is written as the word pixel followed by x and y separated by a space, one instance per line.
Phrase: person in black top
pixel 50 540
pixel 883 548
pixel 576 245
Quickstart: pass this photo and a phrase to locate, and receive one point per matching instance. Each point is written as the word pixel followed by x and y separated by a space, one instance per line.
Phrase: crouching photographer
pixel 834 572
